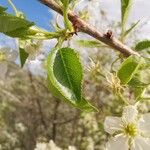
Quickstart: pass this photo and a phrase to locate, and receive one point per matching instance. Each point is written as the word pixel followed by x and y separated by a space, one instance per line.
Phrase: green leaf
pixel 125 8
pixel 138 87
pixel 135 82
pixel 67 23
pixel 128 69
pixel 23 56
pixel 10 23
pixel 13 26
pixel 138 92
pixel 89 43
pixel 142 45
pixel 65 76
pixel 131 28
pixel 65 3
pixel 22 33
pixel 2 9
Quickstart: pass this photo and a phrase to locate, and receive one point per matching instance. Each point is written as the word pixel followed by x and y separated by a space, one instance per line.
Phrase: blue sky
pixel 34 11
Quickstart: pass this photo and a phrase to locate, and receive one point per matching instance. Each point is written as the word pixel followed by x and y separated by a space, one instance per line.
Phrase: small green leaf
pixel 128 69
pixel 138 92
pixel 125 8
pixel 23 56
pixel 131 28
pixel 65 76
pixel 12 25
pixel 2 9
pixel 65 3
pixel 20 33
pixel 135 82
pixel 67 23
pixel 89 43
pixel 142 45
pixel 138 87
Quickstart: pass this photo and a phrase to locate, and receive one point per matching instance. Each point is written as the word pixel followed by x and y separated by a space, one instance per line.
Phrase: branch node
pixel 109 34
pixel 81 25
pixel 76 24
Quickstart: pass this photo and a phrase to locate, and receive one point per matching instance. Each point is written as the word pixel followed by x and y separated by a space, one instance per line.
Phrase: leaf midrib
pixel 65 68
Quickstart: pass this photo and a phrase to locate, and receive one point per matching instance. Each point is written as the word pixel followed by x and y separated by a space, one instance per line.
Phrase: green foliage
pixel 128 69
pixel 125 8
pixel 137 86
pixel 66 2
pixel 135 82
pixel 138 92
pixel 2 9
pixel 23 56
pixel 65 77
pixel 89 43
pixel 12 25
pixel 65 14
pixel 131 28
pixel 142 45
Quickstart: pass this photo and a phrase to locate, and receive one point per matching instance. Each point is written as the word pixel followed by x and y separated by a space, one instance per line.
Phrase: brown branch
pixel 82 26
pixel 42 117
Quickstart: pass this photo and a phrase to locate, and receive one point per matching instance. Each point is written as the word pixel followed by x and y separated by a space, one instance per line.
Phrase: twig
pixel 54 127
pixel 82 26
pixel 38 104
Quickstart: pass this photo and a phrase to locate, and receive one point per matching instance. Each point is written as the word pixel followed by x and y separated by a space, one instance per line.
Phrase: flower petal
pixel 141 143
pixel 117 143
pixel 112 124
pixel 144 125
pixel 129 114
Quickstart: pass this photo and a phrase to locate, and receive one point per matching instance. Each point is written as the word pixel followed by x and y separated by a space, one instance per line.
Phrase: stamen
pixel 131 130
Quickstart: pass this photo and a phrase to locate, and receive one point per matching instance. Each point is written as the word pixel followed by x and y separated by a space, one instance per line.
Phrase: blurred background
pixel 29 114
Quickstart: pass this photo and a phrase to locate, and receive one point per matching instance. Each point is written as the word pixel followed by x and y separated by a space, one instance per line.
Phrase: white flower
pixel 130 131
pixel 41 146
pixel 6 55
pixel 47 146
pixel 20 127
pixel 33 48
pixel 90 145
pixel 71 148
